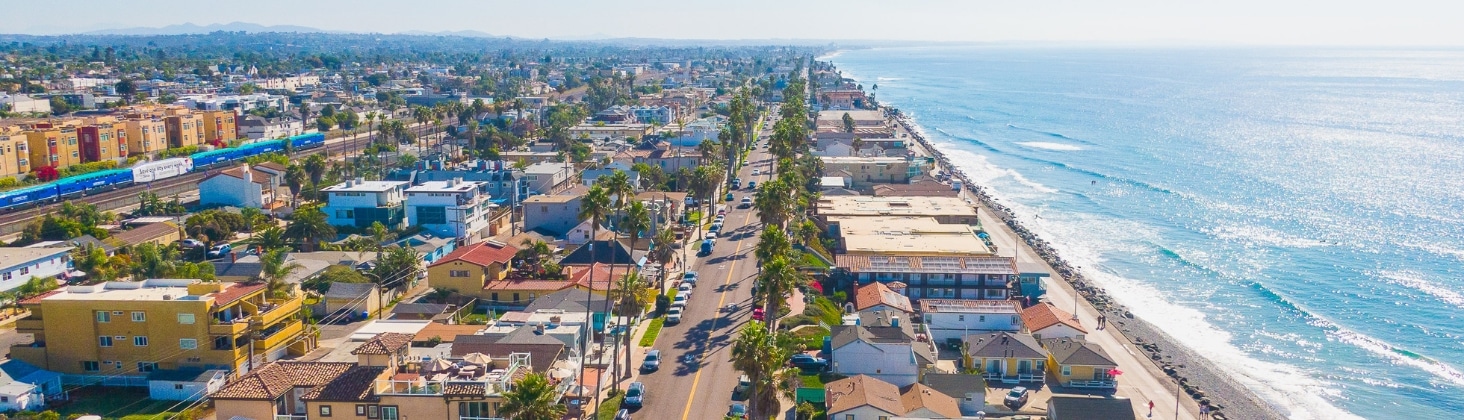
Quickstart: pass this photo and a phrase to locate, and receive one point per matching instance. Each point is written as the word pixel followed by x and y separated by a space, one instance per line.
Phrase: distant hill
pixel 192 29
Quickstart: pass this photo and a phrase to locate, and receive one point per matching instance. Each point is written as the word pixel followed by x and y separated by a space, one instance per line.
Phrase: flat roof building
pixel 943 209
pixel 904 235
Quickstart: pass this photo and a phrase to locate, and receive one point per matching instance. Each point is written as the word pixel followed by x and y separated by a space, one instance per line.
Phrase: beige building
pixel 146 134
pixel 943 209
pixel 904 235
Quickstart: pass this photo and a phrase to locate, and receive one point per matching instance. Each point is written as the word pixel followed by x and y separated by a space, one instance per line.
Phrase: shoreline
pixel 1197 376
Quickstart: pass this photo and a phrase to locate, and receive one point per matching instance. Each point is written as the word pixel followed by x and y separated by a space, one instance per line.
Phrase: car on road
pixel 635 396
pixel 673 316
pixel 729 197
pixel 752 185
pixel 689 277
pixel 737 411
pixel 746 202
pixel 623 414
pixel 685 288
pixel 652 362
pixel 744 384
pixel 220 250
pixel 757 314
pixel 807 362
pixel 1017 397
pixel 756 172
pixel 190 243
pixel 706 247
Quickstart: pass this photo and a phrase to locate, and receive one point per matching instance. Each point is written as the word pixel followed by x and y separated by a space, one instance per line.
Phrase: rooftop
pixel 364 186
pixel 483 254
pixel 906 234
pixel 385 343
pixel 893 206
pixel 446 186
pixel 1043 315
pixel 969 306
pixel 849 393
pixel 278 378
pixel 876 293
pixel 10 257
pixel 925 264
pixel 152 289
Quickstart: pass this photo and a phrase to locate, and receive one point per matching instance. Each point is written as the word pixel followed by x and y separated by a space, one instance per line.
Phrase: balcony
pixel 27 325
pixel 280 310
pixel 290 417
pixel 232 328
pixel 1075 383
pixel 283 336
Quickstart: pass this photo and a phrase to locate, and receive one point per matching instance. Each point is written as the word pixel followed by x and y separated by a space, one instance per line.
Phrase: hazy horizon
pixel 1240 22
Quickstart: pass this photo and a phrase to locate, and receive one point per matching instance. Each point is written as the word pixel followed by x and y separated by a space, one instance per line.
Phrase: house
pixel 185 384
pixel 547 177
pixel 452 208
pixel 443 333
pixel 574 300
pixel 360 203
pixel 277 389
pixel 569 328
pixel 933 277
pixel 26 387
pixel 863 171
pixel 19 265
pixel 950 320
pixel 1082 407
pixel 260 128
pixel 160 233
pixel 581 233
pixel 130 329
pixel 248 268
pixel 865 398
pixel 604 251
pixel 430 247
pixel 259 187
pixel 589 176
pixel 889 353
pixel 968 390
pixel 359 300
pixel 1030 280
pixel 1006 357
pixel 440 312
pixel 552 214
pixel 1045 320
pixel 472 269
pixel 1077 363
pixel 876 296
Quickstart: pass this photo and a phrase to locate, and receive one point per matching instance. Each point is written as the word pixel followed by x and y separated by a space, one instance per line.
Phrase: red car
pixel 757 314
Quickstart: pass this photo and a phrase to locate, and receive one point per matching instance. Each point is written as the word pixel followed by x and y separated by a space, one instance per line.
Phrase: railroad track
pixel 16 221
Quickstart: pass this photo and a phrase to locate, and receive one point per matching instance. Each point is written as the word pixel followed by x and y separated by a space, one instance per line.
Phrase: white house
pixel 25 103
pixel 245 186
pixel 25 387
pixel 259 128
pixel 545 177
pixel 1045 320
pixel 865 398
pixel 358 203
pixel 454 208
pixel 185 385
pixel 949 320
pixel 19 265
pixel 889 353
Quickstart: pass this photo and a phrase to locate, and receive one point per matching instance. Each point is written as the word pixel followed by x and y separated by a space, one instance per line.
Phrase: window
pixel 146 366
pixel 325 411
pixel 91 366
pixel 188 343
pixel 177 386
pixel 140 341
pixel 24 270
pixel 960 317
pixel 884 417
pixel 982 318
pixel 104 341
pixel 373 412
pixel 1067 371
pixel 139 316
pixel 6 276
pixel 185 319
pixel 4 399
pixel 389 413
pixel 102 316
pixel 848 417
pixel 472 409
pixel 360 409
pixel 457 273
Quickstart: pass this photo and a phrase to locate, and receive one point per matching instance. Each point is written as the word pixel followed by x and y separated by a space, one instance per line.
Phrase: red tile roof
pixel 526 284
pixel 37 298
pixel 1045 314
pixel 876 293
pixel 236 292
pixel 593 277
pixel 275 379
pixel 483 254
pixel 384 343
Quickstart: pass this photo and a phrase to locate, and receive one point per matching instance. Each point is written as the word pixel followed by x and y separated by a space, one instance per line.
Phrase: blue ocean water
pixel 1295 215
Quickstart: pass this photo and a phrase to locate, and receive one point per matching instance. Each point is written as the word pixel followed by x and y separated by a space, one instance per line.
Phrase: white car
pixel 673 316
pixel 685 288
pixel 756 172
pixel 680 300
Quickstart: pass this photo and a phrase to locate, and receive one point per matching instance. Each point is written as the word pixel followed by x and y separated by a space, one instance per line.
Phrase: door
pixel 995 366
pixel 1024 367
pixel 389 413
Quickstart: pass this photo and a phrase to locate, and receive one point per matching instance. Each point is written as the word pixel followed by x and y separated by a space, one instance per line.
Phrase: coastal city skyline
pixel 1124 22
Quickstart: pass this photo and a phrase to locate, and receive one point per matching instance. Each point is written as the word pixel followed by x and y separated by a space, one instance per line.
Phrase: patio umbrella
pixel 560 373
pixel 478 359
pixel 1114 372
pixel 440 365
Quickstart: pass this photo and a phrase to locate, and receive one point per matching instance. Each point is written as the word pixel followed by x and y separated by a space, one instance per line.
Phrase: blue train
pixel 147 172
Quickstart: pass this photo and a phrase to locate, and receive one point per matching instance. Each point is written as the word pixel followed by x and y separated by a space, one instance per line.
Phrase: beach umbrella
pixel 478 359
pixel 439 365
pixel 560 373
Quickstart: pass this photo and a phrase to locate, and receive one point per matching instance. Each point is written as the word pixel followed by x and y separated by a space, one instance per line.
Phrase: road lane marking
pixel 686 413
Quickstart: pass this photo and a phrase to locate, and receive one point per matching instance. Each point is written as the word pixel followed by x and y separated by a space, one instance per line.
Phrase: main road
pixel 701 388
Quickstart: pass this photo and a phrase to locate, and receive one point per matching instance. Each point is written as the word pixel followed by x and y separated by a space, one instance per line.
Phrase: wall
pixel 945 326
pixel 886 362
pixel 249 409
pixel 229 191
pixel 860 413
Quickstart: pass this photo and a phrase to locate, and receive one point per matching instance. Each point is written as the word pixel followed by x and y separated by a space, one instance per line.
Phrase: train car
pixel 96 181
pixel 210 158
pixel 27 197
pixel 261 147
pixel 161 169
pixel 307 141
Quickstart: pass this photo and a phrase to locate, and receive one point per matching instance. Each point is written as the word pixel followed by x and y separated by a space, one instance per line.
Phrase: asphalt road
pixel 703 389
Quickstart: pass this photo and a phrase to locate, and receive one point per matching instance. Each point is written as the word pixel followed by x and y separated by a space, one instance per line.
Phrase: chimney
pixel 248 177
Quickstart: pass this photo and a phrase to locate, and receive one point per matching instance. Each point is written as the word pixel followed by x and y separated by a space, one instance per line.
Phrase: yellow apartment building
pixel 219 126
pixel 184 129
pixel 146 134
pixel 472 269
pixel 128 329
pixel 102 138
pixel 14 157
pixel 53 146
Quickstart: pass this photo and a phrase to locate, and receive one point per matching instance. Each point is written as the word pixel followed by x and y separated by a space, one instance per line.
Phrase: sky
pixel 1243 22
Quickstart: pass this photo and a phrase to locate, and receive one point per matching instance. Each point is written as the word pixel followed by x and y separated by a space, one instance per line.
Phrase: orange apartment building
pixel 219 126
pixel 14 157
pixel 52 145
pixel 185 128
pixel 103 138
pixel 146 134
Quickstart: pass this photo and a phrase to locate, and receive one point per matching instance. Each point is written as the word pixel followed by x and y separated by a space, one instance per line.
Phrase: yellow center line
pixel 731 269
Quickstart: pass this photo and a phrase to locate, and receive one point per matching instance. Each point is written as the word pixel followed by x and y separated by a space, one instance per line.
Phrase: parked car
pixel 673 316
pixel 685 288
pixel 689 277
pixel 680 300
pixel 683 295
pixel 1017 397
pixel 712 235
pixel 190 243
pixel 623 414
pixel 635 396
pixel 220 250
pixel 744 384
pixel 757 314
pixel 652 362
pixel 737 411
pixel 746 201
pixel 807 362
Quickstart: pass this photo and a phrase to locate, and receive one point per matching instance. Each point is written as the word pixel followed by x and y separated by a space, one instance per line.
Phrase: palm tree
pixel 271 238
pixel 593 207
pixel 152 261
pixel 760 354
pixel 778 277
pixel 315 166
pixel 274 270
pixel 772 243
pixel 637 219
pixel 308 226
pixel 662 251
pixel 532 398
pixel 774 203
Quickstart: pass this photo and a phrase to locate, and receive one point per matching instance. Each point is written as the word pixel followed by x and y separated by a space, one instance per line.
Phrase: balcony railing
pixel 290 417
pixel 282 336
pixel 230 328
pixel 1096 383
pixel 281 310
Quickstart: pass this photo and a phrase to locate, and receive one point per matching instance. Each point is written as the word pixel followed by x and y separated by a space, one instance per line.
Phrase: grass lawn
pixel 811 337
pixel 652 331
pixel 811 380
pixel 609 407
pixel 118 403
pixel 828 311
pixel 809 260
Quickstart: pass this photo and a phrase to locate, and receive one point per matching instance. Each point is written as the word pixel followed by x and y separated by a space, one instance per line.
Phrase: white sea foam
pixel 1417 281
pixel 984 171
pixel 1393 354
pixel 1084 238
pixel 1260 235
pixel 1045 145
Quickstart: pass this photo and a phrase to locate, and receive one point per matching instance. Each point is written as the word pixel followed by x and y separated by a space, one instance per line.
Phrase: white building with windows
pixel 19 265
pixel 454 208
pixel 953 319
pixel 359 203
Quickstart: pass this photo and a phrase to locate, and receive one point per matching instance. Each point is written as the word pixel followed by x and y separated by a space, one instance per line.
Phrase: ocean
pixel 1294 215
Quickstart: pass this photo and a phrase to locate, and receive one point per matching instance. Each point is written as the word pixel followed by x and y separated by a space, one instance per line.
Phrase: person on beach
pixel 1151 408
pixel 1205 410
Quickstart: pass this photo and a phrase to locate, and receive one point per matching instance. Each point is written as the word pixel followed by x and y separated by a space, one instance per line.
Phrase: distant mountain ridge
pixel 193 29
